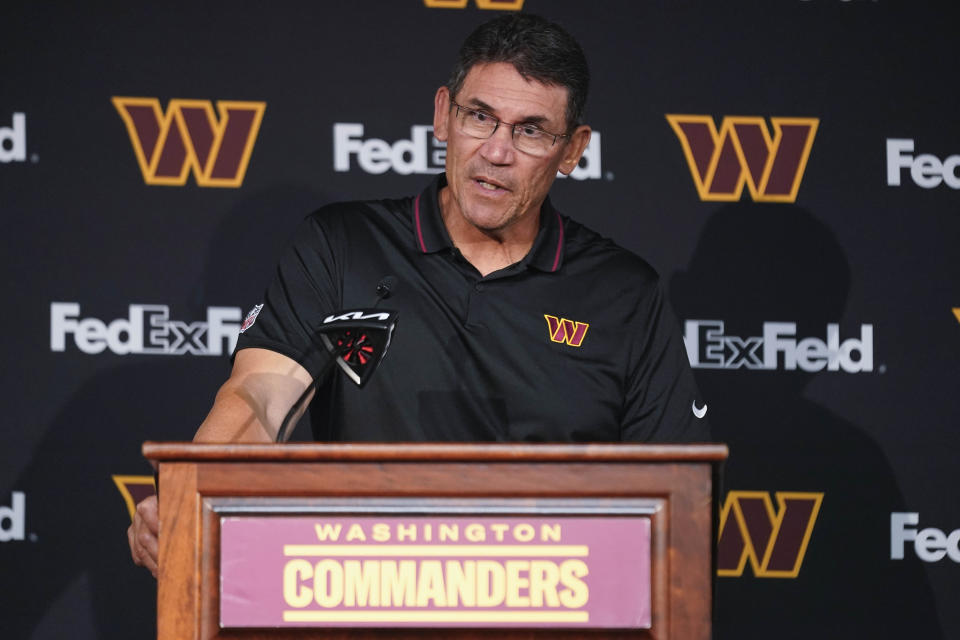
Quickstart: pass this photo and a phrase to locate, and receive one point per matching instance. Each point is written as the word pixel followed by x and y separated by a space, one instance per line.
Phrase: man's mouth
pixel 487 185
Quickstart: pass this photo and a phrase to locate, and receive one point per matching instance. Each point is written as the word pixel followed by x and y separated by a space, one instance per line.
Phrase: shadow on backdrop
pixel 73 504
pixel 758 263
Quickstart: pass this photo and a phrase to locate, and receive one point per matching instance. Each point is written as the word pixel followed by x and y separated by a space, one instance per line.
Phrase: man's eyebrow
pixel 476 103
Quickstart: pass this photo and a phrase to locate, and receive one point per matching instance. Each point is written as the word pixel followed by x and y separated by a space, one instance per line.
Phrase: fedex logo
pixel 147 329
pixel 13 140
pixel 926 170
pixel 929 544
pixel 421 153
pixel 708 347
pixel 12 518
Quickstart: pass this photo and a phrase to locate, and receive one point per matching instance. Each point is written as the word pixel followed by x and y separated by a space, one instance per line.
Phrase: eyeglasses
pixel 528 138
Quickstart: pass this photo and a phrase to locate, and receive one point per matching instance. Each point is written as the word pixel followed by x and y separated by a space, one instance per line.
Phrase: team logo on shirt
pixel 744 152
pixel 566 331
pixel 251 318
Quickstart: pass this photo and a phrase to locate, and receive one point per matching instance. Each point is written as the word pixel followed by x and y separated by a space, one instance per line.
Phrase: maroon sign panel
pixel 435 572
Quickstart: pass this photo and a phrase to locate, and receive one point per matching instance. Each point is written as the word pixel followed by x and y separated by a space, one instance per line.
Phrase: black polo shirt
pixel 576 342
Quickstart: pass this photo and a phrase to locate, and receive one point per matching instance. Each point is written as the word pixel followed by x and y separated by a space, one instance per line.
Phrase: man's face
pixel 492 184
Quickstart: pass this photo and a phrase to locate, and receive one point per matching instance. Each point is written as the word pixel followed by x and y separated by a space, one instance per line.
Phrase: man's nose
pixel 498 148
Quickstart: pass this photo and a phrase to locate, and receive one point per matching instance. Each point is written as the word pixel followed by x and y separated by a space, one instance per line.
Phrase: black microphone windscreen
pixel 385 287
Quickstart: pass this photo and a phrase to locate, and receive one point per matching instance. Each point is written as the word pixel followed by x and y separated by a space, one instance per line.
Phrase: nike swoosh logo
pixel 698 412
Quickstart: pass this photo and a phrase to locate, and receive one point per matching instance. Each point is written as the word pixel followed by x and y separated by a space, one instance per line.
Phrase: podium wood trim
pixel 185 451
pixel 195 478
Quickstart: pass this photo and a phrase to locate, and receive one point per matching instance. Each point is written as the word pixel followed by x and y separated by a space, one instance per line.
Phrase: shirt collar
pixel 430 234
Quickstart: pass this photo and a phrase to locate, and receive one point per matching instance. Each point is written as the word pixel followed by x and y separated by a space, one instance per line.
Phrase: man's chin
pixel 490 217
pixel 487 227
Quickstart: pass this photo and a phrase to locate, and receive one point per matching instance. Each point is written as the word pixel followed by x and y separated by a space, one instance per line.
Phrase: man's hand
pixel 142 534
pixel 249 407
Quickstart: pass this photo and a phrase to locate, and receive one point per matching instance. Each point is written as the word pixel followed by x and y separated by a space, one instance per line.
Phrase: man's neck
pixel 488 251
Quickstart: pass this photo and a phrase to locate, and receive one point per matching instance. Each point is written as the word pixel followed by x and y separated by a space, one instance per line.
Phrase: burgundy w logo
pixel 773 541
pixel 134 489
pixel 568 331
pixel 189 137
pixel 505 5
pixel 744 152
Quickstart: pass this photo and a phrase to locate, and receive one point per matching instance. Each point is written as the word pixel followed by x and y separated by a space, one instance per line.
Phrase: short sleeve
pixel 662 403
pixel 305 289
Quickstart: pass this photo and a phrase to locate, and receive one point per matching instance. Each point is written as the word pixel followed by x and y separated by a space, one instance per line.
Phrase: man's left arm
pixel 662 403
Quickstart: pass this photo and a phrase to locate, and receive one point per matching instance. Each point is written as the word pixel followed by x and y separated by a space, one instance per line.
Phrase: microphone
pixel 385 288
pixel 356 340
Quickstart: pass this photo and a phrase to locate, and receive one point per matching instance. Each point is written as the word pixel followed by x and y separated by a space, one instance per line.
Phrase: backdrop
pixel 790 167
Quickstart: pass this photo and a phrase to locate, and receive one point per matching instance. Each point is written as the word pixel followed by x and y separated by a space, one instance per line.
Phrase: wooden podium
pixel 671 487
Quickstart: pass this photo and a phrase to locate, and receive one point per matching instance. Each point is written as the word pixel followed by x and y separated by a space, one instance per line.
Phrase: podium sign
pixel 435 540
pixel 514 571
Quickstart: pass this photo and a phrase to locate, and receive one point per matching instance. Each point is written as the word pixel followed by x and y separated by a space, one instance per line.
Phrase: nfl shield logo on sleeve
pixel 251 318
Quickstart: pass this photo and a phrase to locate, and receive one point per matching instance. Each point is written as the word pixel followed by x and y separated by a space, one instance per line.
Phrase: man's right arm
pixel 249 407
pixel 252 403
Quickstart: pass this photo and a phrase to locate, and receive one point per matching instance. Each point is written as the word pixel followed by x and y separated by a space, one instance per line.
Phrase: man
pixel 516 323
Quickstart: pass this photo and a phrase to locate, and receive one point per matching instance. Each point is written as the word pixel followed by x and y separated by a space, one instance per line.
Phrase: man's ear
pixel 575 146
pixel 441 114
